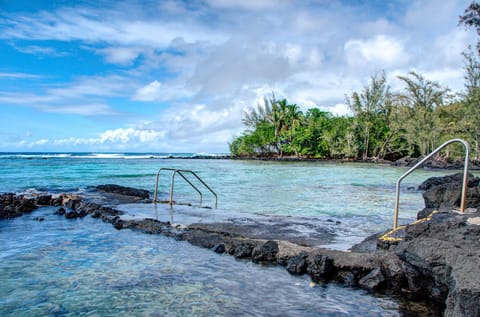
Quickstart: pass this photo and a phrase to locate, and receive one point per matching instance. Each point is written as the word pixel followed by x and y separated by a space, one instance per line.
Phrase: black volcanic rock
pixel 125 191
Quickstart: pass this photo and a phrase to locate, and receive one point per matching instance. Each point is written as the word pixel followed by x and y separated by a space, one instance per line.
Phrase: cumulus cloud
pixel 120 55
pixel 130 137
pixel 196 66
pixel 384 51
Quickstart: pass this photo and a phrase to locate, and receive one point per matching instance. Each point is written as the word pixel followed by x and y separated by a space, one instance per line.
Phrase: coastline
pixel 437 163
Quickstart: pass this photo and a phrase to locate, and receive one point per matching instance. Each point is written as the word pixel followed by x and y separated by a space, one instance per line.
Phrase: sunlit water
pixel 85 267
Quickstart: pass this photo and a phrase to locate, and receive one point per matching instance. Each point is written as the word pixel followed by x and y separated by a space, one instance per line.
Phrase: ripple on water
pixel 86 267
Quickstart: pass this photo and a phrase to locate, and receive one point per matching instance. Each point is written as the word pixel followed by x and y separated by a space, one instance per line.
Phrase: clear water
pixel 86 267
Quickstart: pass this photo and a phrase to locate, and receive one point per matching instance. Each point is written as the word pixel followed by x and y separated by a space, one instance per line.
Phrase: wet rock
pixel 72 203
pixel 60 211
pixel 320 267
pixel 448 179
pixel 297 264
pixel 44 200
pixel 125 191
pixel 39 219
pixel 367 245
pixel 372 280
pixel 445 192
pixel 440 261
pixel 219 248
pixel 15 205
pixel 72 214
pixel 266 252
pixel 347 279
pixel 243 250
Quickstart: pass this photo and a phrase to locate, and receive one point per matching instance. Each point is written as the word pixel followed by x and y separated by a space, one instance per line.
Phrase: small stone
pixel 296 265
pixel 266 252
pixel 60 211
pixel 321 267
pixel 71 214
pixel 219 248
pixel 44 200
pixel 243 250
pixel 372 280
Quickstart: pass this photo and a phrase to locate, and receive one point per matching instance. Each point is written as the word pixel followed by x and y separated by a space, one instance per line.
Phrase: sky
pixel 176 76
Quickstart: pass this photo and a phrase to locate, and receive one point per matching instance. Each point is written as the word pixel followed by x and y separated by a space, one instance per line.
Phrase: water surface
pixel 61 267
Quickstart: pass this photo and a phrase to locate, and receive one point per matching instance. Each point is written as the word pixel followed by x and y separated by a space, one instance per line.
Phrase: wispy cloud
pixel 206 61
pixel 20 76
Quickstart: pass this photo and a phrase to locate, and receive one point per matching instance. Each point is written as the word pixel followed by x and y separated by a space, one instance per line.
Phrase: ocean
pixel 85 267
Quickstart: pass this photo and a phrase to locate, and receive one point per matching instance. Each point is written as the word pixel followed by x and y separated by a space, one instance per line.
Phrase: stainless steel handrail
pixel 172 182
pixel 465 177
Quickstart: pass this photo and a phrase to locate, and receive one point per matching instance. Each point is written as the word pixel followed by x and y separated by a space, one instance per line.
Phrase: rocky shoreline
pixel 436 162
pixel 435 259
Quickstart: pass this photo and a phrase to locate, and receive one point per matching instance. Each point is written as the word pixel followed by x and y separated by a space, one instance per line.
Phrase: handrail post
pixel 193 186
pixel 172 181
pixel 171 187
pixel 438 149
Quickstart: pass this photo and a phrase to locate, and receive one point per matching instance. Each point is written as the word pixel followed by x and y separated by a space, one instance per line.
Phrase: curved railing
pixel 465 177
pixel 172 183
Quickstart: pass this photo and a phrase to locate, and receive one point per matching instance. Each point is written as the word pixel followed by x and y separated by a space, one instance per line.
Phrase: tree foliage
pixel 383 125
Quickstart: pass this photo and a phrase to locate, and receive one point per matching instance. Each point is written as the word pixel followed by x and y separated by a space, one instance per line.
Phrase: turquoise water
pixel 86 267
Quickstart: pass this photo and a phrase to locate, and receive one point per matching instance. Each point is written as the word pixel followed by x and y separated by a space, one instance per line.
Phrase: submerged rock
pixel 12 205
pixel 125 191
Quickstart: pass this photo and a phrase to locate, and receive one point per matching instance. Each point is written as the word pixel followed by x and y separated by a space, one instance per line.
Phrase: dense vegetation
pixel 383 124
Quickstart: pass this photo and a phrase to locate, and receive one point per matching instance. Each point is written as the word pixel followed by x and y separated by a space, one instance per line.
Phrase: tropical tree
pixel 471 18
pixel 370 109
pixel 421 97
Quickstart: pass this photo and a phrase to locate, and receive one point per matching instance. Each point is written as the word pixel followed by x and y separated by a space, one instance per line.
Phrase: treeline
pixel 383 125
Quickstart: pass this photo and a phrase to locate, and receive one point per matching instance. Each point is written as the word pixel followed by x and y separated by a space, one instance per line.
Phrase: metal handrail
pixel 172 182
pixel 465 177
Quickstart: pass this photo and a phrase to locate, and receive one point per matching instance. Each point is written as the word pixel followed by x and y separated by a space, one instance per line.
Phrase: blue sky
pixel 176 76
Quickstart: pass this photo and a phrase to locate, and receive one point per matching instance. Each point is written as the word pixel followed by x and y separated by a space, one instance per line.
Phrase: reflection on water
pixel 77 267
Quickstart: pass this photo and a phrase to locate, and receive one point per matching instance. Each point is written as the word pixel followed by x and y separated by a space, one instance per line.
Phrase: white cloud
pixel 248 5
pixel 129 135
pixel 95 109
pixel 100 26
pixel 207 61
pixel 158 92
pixel 19 76
pixel 120 55
pixel 149 92
pixel 384 51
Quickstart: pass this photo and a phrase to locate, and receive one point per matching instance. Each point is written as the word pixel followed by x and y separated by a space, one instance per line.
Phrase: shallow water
pixel 85 267
pixel 360 196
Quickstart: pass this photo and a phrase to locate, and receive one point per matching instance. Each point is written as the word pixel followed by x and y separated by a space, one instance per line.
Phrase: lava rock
pixel 320 267
pixel 60 211
pixel 122 190
pixel 44 200
pixel 243 250
pixel 219 248
pixel 266 252
pixel 72 214
pixel 372 280
pixel 297 265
